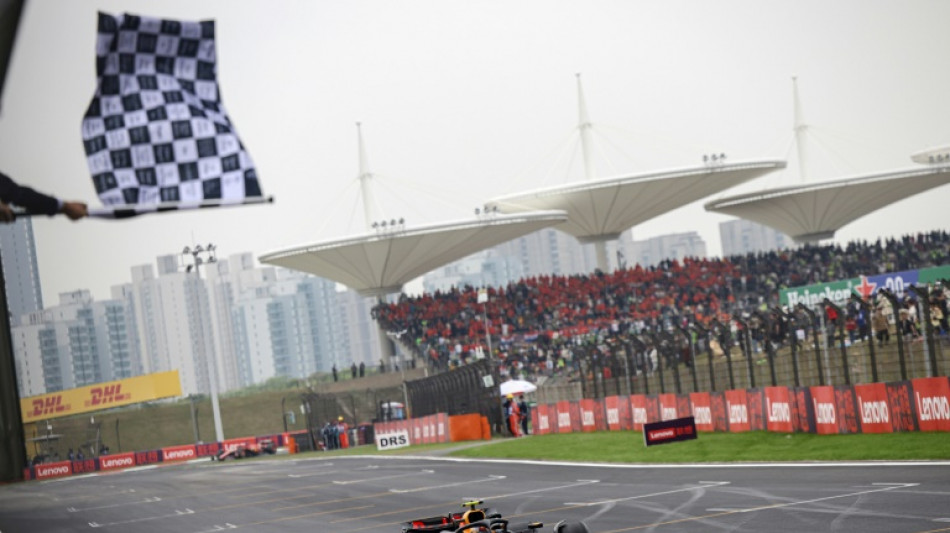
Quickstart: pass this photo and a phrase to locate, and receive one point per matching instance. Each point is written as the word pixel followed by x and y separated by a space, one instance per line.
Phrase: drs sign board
pixel 392 440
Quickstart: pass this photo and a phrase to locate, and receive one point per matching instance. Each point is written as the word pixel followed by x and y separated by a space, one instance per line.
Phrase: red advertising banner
pixel 587 415
pixel 575 409
pixel 800 413
pixel 148 457
pixel 638 411
pixel 903 413
pixel 873 410
pixel 623 409
pixel 83 466
pixel 428 429
pixel 737 411
pixel 825 410
pixel 49 470
pixel 932 403
pixel 119 460
pixel 564 417
pixel 683 407
pixel 847 417
pixel 717 402
pixel 653 409
pixel 612 404
pixel 678 429
pixel 668 407
pixel 233 444
pixel 540 419
pixel 416 430
pixel 179 453
pixel 778 409
pixel 600 417
pixel 755 401
pixel 443 431
pixel 702 411
pixel 207 449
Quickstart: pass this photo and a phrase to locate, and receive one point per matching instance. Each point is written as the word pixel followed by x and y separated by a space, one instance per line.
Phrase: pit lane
pixel 376 494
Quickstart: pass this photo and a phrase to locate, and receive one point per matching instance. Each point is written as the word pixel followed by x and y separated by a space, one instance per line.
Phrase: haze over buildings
pixel 257 323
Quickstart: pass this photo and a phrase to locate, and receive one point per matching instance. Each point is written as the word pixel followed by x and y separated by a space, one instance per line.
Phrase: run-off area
pixel 377 494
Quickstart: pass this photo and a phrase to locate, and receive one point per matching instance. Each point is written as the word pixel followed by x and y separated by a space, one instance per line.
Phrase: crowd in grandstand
pixel 539 322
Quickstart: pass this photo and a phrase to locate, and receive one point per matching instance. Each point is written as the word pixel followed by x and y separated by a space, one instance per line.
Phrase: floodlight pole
pixel 201 255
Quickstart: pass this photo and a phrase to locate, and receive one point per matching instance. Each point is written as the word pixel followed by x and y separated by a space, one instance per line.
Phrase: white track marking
pixel 466 482
pixel 313 474
pixel 353 481
pixel 176 514
pixel 216 527
pixel 123 504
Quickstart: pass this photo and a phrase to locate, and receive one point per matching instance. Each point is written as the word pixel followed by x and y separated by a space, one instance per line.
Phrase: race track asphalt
pixel 377 493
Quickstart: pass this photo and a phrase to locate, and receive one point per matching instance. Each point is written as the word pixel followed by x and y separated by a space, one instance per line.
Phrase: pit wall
pixel 921 404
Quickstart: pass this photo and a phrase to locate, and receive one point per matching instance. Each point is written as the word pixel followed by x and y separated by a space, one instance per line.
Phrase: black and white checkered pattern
pixel 156 131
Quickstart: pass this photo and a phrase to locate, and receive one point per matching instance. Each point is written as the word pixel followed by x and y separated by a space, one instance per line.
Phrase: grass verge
pixel 627 447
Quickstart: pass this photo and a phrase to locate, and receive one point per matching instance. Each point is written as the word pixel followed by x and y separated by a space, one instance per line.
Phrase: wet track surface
pixel 376 494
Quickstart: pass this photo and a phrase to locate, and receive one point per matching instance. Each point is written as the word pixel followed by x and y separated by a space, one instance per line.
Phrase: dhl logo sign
pixel 109 394
pixel 100 396
pixel 50 405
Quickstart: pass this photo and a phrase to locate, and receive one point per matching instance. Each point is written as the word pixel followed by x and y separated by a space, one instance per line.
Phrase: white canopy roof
pixel 380 263
pixel 601 209
pixel 816 211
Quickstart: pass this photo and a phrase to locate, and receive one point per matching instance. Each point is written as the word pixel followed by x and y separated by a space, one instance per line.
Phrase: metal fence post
pixel 898 330
pixel 866 307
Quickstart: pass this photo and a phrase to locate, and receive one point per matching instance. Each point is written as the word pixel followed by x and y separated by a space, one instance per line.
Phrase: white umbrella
pixel 517 386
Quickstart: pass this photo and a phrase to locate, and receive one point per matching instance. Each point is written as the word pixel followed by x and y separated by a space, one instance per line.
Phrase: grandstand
pixel 544 326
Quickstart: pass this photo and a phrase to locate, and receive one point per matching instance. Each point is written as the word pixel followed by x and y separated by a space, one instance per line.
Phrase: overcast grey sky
pixel 461 101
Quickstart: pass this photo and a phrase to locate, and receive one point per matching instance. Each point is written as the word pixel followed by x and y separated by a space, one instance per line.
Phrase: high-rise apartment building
pixel 20 269
pixel 740 237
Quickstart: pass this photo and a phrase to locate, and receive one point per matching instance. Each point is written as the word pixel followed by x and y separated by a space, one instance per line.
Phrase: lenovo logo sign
pixel 639 415
pixel 178 454
pixel 564 420
pixel 778 411
pixel 123 461
pixel 53 470
pixel 738 413
pixel 874 412
pixel 587 418
pixel 932 407
pixel 824 412
pixel 702 414
pixel 613 416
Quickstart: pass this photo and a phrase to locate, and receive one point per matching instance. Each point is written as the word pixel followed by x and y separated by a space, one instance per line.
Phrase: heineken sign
pixel 839 292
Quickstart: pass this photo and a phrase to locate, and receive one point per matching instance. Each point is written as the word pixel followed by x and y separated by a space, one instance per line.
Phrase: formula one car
pixel 481 520
pixel 246 450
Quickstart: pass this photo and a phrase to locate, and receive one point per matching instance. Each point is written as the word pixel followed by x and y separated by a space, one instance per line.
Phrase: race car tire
pixel 571 527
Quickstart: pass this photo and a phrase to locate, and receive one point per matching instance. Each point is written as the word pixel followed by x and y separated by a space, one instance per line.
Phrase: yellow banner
pixel 101 396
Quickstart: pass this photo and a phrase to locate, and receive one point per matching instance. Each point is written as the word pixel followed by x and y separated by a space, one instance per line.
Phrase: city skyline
pixel 461 103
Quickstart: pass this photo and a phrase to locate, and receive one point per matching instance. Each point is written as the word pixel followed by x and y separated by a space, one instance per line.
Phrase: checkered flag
pixel 156 133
